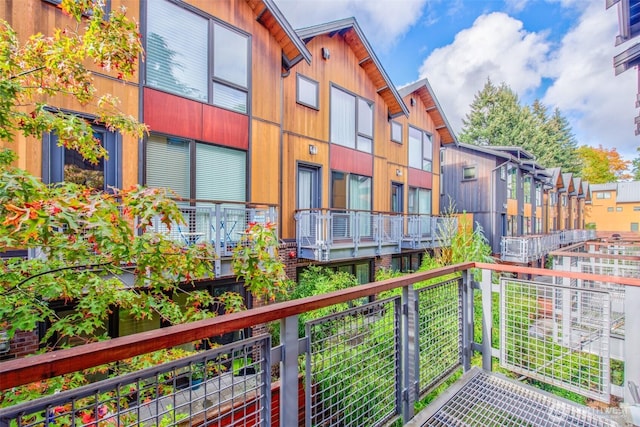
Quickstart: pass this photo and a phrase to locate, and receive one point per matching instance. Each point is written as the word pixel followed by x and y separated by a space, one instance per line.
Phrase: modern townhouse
pixel 251 121
pixel 520 205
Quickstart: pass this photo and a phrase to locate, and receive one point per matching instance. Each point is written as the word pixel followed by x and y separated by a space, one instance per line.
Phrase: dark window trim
pixel 391 123
pixel 211 79
pixel 422 136
pixel 317 85
pixel 475 172
pixel 357 133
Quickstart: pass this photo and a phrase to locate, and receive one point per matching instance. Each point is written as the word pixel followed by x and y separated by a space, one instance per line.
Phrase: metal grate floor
pixel 484 399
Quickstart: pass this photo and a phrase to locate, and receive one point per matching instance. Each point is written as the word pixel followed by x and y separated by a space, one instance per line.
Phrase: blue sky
pixel 559 51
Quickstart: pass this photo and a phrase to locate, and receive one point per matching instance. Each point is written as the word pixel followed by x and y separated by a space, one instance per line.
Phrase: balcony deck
pixel 368 364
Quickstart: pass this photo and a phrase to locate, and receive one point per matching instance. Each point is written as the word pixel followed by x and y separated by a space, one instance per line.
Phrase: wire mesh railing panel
pixel 556 334
pixel 222 386
pixel 490 401
pixel 341 227
pixel 439 331
pixel 353 366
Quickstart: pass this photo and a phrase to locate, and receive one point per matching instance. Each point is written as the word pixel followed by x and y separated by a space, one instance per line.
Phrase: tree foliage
pixel 94 251
pixel 498 118
pixel 602 165
pixel 635 169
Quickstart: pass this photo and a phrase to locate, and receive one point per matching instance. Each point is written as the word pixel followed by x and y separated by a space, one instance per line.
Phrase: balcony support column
pixel 631 340
pixel 289 372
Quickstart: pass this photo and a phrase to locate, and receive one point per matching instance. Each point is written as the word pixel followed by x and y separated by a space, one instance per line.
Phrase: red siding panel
pixel 225 127
pixel 422 179
pixel 172 114
pixel 347 160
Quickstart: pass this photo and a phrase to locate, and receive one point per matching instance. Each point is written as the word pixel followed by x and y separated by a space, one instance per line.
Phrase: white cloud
pixel 383 22
pixel 599 104
pixel 496 46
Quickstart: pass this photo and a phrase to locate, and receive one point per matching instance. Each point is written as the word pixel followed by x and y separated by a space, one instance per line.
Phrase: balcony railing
pixel 325 234
pixel 219 223
pixel 366 365
pixel 524 249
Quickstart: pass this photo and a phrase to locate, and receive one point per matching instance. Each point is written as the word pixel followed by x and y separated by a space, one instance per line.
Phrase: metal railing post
pixel 408 393
pixel 487 319
pixel 467 319
pixel 631 340
pixel 289 373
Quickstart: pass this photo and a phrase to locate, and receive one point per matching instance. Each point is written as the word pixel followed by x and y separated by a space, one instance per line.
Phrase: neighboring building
pixel 629 25
pixel 615 207
pixel 501 186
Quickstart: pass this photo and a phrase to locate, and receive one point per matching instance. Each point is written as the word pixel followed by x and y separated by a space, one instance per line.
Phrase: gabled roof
pixel 608 186
pixel 586 190
pixel 577 184
pixel 423 89
pixel 293 48
pixel 487 150
pixel 517 152
pixel 567 178
pixel 556 178
pixel 535 168
pixel 354 37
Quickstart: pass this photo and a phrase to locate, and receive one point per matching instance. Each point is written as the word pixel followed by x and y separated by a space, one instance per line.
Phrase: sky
pixel 558 51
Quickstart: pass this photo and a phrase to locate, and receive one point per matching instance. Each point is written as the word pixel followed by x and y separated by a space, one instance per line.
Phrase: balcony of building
pixel 533 247
pixel 329 235
pixel 369 362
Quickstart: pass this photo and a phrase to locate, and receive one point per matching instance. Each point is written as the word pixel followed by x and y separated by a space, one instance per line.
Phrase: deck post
pixel 487 307
pixel 408 389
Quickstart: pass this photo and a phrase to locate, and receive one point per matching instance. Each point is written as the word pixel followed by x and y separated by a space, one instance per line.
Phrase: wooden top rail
pixel 26 370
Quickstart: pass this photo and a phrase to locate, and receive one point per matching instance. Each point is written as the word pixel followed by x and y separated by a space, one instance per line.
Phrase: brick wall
pixel 380 262
pixel 23 344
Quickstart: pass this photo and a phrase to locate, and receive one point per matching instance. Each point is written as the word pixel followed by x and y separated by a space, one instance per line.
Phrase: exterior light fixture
pixel 398 172
pixel 313 149
pixel 325 53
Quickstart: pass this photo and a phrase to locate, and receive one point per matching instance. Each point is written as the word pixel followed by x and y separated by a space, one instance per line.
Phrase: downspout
pixel 281 218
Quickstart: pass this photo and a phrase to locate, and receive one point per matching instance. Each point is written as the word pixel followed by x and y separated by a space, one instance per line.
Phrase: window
pixel 503 172
pixel 62 164
pixel 350 191
pixel 527 189
pixel 468 173
pixel 538 194
pixel 419 201
pixel 307 91
pixel 396 132
pixel 397 199
pixel 362 271
pixel 634 226
pixel 351 121
pixel 512 182
pixel 603 195
pixel 619 209
pixel 420 149
pixel 636 208
pixel 169 165
pixel 610 209
pixel 179 47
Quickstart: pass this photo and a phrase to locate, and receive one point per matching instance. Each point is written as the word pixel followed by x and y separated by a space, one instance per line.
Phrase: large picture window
pixel 179 47
pixel 420 149
pixel 216 173
pixel 62 164
pixel 419 201
pixel 351 121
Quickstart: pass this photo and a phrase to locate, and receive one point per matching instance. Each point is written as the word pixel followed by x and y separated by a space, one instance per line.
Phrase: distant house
pixel 615 206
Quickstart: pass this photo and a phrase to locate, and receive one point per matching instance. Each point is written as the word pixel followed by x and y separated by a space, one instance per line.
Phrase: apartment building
pixel 614 207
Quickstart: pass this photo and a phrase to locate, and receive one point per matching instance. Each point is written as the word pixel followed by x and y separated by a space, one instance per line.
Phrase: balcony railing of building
pixel 365 365
pixel 217 222
pixel 330 234
pixel 528 248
